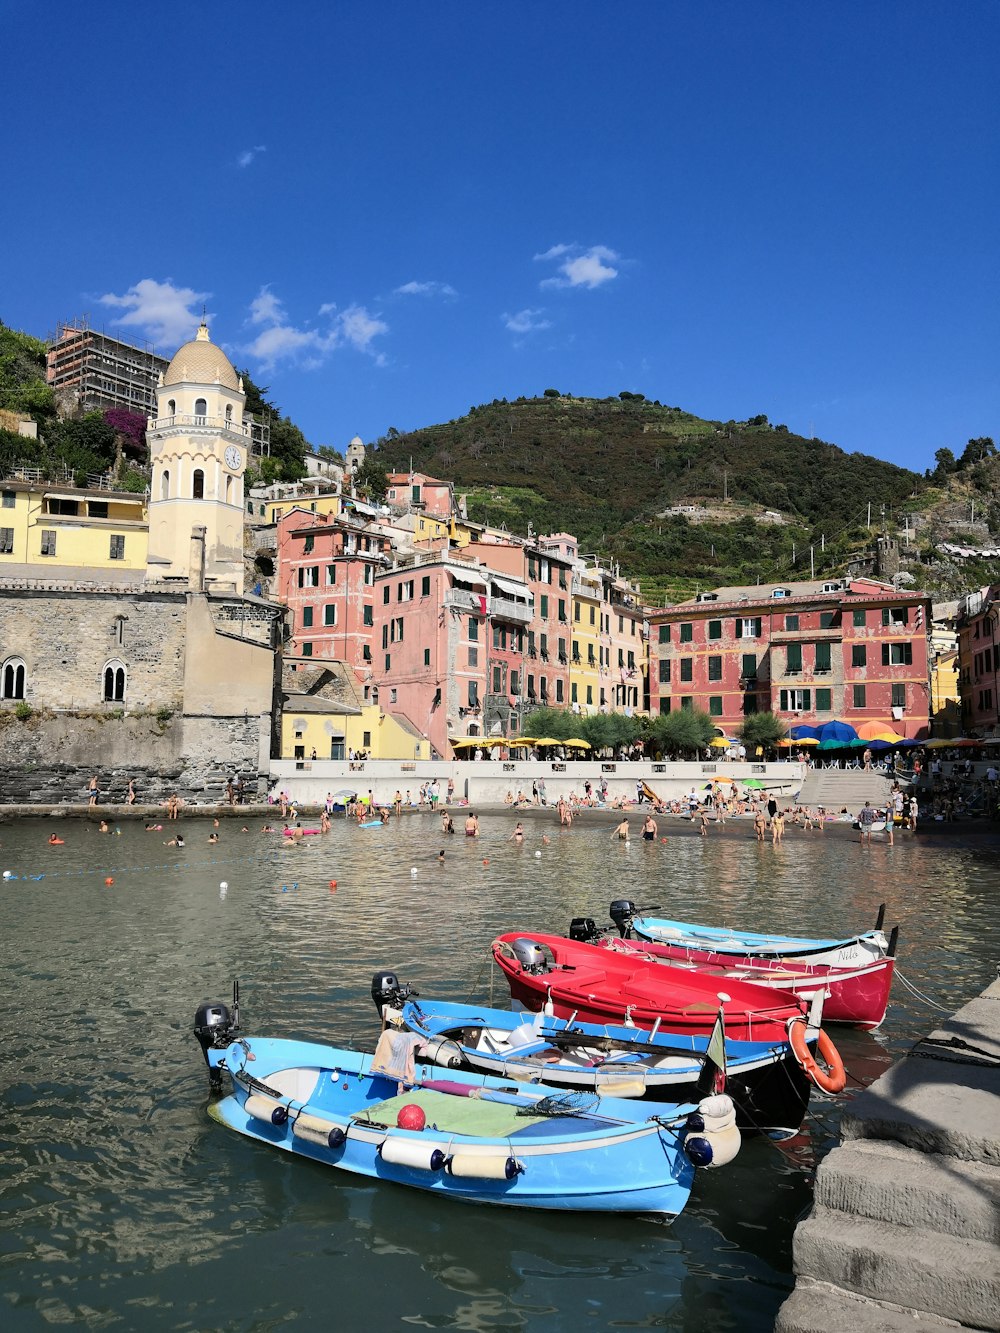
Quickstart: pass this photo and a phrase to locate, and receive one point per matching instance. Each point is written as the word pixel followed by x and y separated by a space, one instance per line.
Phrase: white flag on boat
pixel 713 1074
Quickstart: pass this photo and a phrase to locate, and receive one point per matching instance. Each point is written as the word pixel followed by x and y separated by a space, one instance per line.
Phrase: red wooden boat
pixel 857 995
pixel 601 986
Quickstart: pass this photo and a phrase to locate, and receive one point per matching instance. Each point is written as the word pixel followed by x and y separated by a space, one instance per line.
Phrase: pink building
pixel 416 490
pixel 547 574
pixel 326 570
pixel 979 661
pixel 855 650
pixel 450 642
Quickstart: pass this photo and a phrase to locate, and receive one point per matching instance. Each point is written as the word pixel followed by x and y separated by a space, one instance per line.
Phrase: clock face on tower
pixel 234 458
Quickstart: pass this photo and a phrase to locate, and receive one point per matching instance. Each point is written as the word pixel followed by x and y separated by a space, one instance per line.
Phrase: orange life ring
pixel 832 1078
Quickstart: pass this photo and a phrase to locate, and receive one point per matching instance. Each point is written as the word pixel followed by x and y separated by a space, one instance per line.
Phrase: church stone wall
pixel 67 638
pixel 50 760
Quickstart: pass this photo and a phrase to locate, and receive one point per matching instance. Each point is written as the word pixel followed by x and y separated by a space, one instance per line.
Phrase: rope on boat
pixel 920 995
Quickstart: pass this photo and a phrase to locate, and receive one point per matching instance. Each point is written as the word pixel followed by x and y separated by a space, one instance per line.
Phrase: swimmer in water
pixel 104 827
pixel 213 837
pixel 518 834
pixel 621 831
pixel 54 840
pixel 175 842
pixel 441 854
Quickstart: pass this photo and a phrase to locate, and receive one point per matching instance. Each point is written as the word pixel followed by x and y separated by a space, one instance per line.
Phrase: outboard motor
pixel 621 911
pixel 388 989
pixel 584 930
pixel 531 956
pixel 214 1028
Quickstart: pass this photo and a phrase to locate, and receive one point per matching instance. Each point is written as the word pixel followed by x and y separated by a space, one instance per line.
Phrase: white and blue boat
pixel 849 951
pixel 468 1137
pixel 765 1081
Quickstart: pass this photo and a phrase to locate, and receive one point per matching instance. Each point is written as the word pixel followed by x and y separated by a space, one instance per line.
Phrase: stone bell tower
pixel 199 447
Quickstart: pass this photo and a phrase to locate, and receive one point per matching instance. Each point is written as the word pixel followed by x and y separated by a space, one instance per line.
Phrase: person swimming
pixel 518 834
pixel 55 840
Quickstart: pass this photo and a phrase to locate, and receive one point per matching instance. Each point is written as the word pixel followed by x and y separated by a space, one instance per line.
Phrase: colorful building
pixel 326 571
pixel 855 650
pixel 979 661
pixel 62 532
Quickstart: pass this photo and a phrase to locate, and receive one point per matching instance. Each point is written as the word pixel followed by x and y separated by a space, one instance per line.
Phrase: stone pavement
pixel 904 1228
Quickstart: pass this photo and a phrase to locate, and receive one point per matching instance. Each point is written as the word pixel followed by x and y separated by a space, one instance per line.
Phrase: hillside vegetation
pixel 608 470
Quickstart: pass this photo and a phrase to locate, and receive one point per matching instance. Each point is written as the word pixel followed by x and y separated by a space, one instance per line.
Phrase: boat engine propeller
pixel 387 989
pixel 215 1027
pixel 622 911
pixel 584 930
pixel 531 956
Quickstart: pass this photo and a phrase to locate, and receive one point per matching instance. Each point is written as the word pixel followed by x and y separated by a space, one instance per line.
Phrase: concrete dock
pixel 904 1229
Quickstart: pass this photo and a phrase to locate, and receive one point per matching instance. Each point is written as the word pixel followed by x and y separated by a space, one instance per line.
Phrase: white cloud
pixel 281 340
pixel 554 251
pixel 160 309
pixel 526 321
pixel 247 156
pixel 590 267
pixel 425 289
pixel 358 326
pixel 265 308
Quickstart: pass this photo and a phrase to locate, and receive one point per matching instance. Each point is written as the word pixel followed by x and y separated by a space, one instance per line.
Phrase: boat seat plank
pixel 473 1116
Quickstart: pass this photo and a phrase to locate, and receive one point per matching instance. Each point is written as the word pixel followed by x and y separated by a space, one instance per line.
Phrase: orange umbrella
pixel 878 731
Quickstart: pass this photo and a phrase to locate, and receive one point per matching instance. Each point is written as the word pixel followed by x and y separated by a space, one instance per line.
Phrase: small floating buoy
pixel 224 884
pixel 486 860
pixel 333 883
pixel 8 874
pixel 538 853
pixel 413 871
pixel 109 881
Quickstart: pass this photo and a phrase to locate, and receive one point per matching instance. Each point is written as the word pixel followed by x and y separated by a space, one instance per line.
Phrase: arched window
pixel 171 407
pixel 229 411
pixel 198 484
pixel 114 682
pixel 229 490
pixel 201 408
pixel 165 484
pixel 12 678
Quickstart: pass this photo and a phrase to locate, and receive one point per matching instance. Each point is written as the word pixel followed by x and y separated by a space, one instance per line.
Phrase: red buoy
pixel 411 1116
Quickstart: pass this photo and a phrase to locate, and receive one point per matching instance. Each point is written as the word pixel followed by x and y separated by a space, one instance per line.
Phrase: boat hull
pixel 600 987
pixel 768 1087
pixel 619 1159
pixel 853 952
pixel 857 995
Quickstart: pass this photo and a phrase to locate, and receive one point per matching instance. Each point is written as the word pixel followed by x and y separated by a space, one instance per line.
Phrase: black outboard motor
pixel 214 1027
pixel 584 930
pixel 621 911
pixel 387 989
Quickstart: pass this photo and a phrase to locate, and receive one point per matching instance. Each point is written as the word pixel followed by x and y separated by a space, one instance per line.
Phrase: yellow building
pixel 585 658
pixel 54 532
pixel 313 727
pixel 946 705
pixel 199 445
pixel 265 509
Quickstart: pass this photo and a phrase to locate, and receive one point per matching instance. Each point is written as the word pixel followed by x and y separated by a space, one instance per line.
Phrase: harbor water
pixel 124 1206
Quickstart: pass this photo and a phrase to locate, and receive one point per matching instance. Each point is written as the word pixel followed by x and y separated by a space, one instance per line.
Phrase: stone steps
pixel 906 1219
pixel 834 788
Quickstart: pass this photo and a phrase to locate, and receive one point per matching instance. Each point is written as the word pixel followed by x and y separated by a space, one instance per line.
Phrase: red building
pixel 979 661
pixel 852 649
pixel 326 569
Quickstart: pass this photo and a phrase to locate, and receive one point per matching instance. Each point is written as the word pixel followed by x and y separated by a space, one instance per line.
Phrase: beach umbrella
pixel 345 791
pixel 577 744
pixel 719 743
pixel 804 732
pixel 877 731
pixel 836 731
pixel 463 742
pixel 753 782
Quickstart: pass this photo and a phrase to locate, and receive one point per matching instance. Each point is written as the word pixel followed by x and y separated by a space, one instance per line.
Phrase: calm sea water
pixel 124 1206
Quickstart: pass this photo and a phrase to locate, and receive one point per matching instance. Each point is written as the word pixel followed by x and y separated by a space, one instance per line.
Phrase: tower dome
pixel 201 362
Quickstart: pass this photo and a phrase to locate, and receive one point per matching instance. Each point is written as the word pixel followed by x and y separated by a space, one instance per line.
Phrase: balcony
pixel 499 608
pixel 187 421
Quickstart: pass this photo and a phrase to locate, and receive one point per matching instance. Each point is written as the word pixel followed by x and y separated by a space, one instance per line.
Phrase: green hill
pixel 611 470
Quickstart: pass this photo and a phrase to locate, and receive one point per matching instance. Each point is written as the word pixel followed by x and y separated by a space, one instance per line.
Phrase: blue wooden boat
pixel 468 1137
pixel 849 951
pixel 768 1087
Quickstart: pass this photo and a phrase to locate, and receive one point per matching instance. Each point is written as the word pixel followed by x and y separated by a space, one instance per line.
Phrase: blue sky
pixel 394 211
